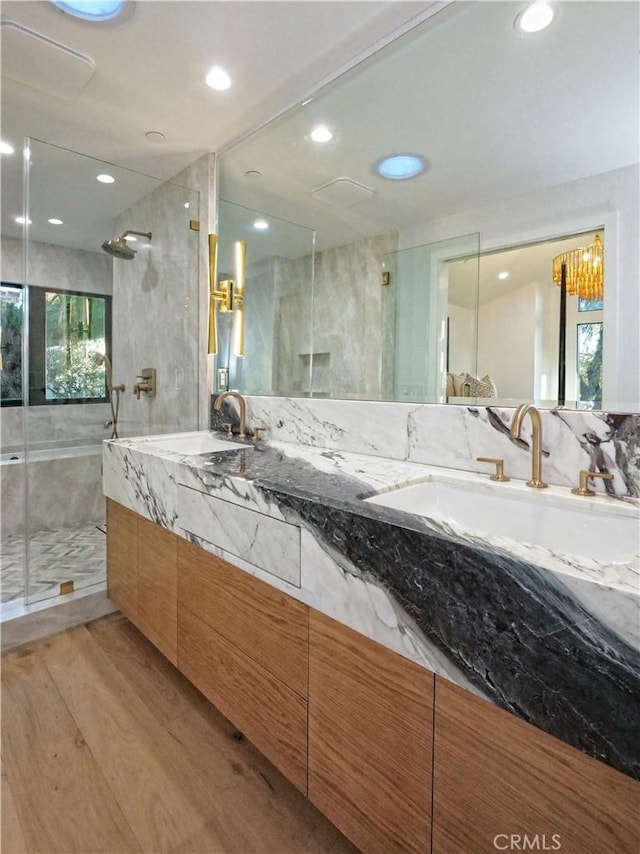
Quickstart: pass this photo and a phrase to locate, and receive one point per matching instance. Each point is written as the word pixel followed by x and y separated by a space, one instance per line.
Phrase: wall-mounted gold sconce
pixel 229 294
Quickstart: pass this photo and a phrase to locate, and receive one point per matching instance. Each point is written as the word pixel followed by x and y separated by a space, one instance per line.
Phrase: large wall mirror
pixel 439 287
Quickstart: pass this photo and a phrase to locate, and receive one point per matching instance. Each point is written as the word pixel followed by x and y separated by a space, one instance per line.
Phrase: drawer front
pixel 269 544
pixel 122 559
pixel 267 625
pixel 370 740
pixel 271 715
pixel 157 587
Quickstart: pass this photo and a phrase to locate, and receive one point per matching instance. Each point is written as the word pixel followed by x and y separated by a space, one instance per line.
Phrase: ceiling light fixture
pixel 91 10
pixel 5 148
pixel 534 18
pixel 218 79
pixel 399 167
pixel 321 133
pixel 155 136
pixel 55 221
pixel 503 275
pixel 105 179
pixel 21 220
pixel 261 224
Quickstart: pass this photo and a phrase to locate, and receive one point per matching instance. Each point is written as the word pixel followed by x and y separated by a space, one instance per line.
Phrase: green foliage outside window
pixel 75 332
pixel 11 314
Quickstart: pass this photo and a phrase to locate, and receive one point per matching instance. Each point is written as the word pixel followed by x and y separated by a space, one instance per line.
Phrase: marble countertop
pixel 552 638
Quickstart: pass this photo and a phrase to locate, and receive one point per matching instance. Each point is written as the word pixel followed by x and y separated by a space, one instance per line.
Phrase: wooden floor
pixel 107 748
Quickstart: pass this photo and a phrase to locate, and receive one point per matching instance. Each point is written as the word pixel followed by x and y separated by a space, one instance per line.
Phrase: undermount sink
pixel 192 444
pixel 600 528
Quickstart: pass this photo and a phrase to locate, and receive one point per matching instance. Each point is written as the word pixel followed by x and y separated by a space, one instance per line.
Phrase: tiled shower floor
pixel 67 554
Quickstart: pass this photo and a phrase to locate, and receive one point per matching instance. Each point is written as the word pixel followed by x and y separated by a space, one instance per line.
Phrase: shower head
pixel 119 248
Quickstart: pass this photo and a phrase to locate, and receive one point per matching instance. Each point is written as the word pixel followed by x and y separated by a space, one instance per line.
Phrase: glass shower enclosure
pixel 79 325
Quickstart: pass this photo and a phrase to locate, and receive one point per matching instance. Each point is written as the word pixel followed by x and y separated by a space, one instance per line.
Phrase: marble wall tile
pixel 156 313
pixel 454 436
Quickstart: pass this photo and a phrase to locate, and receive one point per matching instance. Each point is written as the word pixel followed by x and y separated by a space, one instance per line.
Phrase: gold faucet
pixel 536 441
pixel 241 405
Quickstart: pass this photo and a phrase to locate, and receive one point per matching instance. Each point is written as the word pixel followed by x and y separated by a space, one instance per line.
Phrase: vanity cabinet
pixel 370 738
pixel 142 575
pixel 498 780
pixel 398 759
pixel 244 644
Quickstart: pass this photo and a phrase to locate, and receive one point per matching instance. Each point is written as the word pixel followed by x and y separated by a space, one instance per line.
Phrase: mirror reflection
pixel 524 145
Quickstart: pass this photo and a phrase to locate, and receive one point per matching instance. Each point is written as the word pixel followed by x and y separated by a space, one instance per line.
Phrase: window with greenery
pixel 590 364
pixel 11 315
pixel 67 329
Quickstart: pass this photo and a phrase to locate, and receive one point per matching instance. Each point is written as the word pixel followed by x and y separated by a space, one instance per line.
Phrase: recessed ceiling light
pixel 186 204
pixel 261 224
pixel 253 173
pixel 534 18
pixel 155 136
pixel 105 179
pixel 503 275
pixel 321 133
pixel 218 79
pixel 399 167
pixel 21 220
pixel 91 10
pixel 5 148
pixel 55 221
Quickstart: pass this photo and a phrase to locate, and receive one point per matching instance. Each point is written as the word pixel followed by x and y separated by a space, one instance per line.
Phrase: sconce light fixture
pixel 228 295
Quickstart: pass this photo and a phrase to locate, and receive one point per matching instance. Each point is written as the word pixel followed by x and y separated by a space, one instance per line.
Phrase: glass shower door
pixel 93 323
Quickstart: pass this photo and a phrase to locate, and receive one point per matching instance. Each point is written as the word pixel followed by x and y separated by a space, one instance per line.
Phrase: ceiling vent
pixel 42 63
pixel 342 192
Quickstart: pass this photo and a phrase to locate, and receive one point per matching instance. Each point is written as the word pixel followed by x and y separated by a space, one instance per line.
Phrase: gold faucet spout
pixel 242 406
pixel 536 441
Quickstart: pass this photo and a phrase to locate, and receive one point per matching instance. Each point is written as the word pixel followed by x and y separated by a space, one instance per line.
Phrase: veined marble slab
pixel 556 647
pixel 454 436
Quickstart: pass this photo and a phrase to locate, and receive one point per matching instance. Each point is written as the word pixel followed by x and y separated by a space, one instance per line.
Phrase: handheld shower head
pixel 119 248
pixel 103 359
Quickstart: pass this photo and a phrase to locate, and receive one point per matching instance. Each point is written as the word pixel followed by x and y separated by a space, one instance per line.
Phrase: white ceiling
pixel 150 66
pixel 496 113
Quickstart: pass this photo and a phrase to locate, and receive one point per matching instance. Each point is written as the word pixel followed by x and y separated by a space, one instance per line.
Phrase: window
pixel 589 359
pixel 67 329
pixel 11 314
pixel 590 304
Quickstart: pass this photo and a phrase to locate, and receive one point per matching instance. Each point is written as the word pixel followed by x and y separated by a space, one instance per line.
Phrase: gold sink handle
pixel 583 489
pixel 499 464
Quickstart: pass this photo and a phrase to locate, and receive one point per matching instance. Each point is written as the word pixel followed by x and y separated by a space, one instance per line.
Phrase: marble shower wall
pixel 156 313
pixel 55 267
pixel 321 324
pixel 454 436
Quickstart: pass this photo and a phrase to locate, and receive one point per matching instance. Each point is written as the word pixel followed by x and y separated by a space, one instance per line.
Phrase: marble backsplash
pixel 454 436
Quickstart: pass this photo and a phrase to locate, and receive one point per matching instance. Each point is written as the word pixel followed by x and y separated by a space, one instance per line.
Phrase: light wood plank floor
pixel 107 748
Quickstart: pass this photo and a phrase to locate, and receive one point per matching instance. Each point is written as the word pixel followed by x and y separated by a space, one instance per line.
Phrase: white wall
pixel 611 199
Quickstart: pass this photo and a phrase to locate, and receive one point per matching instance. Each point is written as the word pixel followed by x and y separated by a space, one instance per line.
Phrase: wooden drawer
pixel 267 625
pixel 370 740
pixel 496 776
pixel 122 558
pixel 270 714
pixel 157 616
